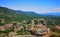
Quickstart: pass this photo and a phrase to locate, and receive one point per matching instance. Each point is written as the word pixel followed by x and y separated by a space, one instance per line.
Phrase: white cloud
pixel 48 10
pixel 36 9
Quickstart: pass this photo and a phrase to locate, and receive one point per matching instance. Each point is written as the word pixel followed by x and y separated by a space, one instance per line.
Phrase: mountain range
pixel 19 15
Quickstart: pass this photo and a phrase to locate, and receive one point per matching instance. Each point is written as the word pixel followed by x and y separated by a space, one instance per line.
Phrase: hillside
pixel 11 15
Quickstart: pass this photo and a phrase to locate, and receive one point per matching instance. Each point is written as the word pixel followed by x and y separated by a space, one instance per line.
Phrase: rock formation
pixel 40 29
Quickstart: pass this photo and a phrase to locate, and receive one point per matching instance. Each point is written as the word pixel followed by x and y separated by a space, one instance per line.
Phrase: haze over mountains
pixel 34 13
pixel 8 15
pixel 18 15
pixel 53 13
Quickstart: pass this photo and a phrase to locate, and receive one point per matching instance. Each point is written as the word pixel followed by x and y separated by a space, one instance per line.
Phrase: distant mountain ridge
pixel 52 13
pixel 34 13
pixel 11 15
pixel 16 15
pixel 29 12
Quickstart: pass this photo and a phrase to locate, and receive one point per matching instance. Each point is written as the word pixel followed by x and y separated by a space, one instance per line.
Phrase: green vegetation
pixel 22 32
pixel 10 16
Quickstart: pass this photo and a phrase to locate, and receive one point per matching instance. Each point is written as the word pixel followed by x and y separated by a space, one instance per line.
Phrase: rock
pixel 12 34
pixel 2 35
pixel 41 31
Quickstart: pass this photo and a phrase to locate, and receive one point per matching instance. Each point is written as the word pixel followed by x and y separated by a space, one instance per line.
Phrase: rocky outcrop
pixel 39 29
pixel 2 35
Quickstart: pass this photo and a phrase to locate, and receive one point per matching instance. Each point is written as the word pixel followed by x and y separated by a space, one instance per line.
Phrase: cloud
pixel 36 9
pixel 57 9
pixel 48 10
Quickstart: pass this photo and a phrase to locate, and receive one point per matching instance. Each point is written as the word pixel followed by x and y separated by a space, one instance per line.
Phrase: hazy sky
pixel 39 6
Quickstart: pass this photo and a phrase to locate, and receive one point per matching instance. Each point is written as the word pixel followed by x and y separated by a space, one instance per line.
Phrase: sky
pixel 38 6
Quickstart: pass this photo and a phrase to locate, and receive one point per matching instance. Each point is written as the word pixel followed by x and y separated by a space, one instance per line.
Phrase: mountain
pixel 16 15
pixel 52 13
pixel 11 15
pixel 26 12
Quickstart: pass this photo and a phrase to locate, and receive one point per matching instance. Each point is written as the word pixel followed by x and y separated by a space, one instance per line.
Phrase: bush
pixel 21 32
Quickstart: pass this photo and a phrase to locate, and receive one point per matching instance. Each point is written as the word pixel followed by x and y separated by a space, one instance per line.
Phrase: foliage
pixel 22 32
pixel 12 15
